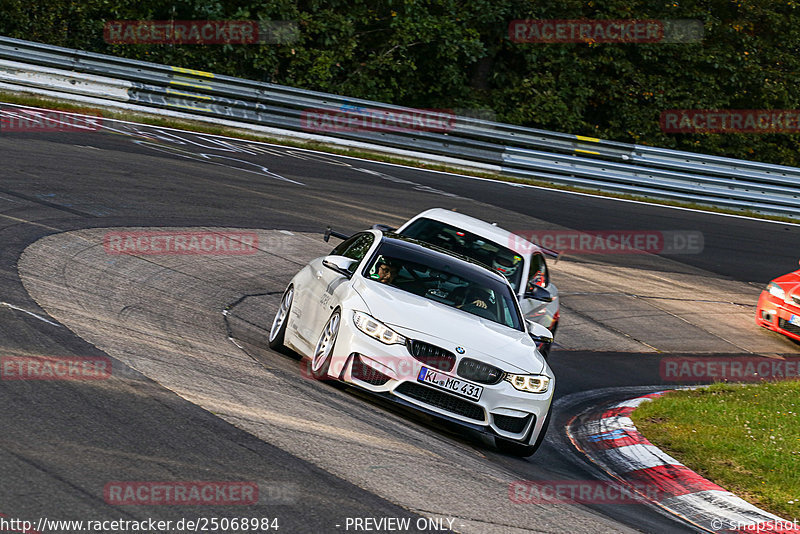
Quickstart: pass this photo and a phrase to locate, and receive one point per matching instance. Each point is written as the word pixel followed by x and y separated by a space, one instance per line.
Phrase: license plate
pixel 448 383
pixel 795 320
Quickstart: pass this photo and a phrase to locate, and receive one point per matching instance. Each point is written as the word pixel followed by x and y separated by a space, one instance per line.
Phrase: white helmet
pixel 505 264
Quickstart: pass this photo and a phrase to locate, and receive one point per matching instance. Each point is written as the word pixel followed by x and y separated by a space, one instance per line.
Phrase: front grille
pixel 789 327
pixel 515 425
pixel 441 400
pixel 365 373
pixel 479 371
pixel 431 355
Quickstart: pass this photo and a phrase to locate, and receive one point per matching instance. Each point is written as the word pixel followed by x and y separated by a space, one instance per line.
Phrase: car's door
pixel 325 284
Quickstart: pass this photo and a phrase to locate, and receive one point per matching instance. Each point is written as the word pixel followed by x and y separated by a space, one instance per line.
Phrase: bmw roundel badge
pixel 460 350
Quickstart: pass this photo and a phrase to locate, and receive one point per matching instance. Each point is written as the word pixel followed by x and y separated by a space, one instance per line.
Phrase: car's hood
pixel 788 281
pixel 509 349
pixel 791 285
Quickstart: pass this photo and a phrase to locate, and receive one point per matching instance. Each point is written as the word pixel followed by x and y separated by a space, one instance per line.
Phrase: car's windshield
pixel 492 254
pixel 446 280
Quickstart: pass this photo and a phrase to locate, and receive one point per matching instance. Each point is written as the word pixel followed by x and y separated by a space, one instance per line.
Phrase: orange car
pixel 779 305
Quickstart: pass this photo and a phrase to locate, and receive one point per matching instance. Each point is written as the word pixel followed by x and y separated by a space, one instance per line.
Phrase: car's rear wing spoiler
pixel 330 232
pixel 550 252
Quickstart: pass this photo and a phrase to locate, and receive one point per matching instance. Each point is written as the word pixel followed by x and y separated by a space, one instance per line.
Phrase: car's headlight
pixel 529 383
pixel 776 291
pixel 374 328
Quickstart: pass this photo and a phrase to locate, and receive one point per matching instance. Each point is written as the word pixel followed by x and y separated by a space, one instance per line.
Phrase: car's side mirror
pixel 540 335
pixel 538 332
pixel 340 264
pixel 538 293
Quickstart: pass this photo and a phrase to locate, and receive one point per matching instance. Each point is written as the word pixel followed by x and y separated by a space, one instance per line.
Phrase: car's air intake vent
pixel 789 327
pixel 441 400
pixel 365 373
pixel 431 355
pixel 479 371
pixel 515 425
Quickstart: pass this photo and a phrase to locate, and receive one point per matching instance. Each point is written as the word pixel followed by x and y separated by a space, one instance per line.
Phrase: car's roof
pixel 481 228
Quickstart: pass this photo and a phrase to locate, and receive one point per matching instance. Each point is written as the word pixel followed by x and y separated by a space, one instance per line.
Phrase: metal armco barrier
pixel 527 153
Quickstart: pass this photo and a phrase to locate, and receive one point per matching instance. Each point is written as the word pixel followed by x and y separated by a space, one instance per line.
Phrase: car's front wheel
pixel 321 360
pixel 278 331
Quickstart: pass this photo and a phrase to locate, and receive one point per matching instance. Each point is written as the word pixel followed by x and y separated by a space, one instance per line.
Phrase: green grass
pixel 204 127
pixel 746 438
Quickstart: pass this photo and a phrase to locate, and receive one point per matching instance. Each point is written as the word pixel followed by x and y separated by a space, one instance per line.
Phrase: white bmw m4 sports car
pixel 424 328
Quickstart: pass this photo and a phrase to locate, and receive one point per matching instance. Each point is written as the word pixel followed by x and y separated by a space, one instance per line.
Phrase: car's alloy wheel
pixel 322 353
pixel 278 330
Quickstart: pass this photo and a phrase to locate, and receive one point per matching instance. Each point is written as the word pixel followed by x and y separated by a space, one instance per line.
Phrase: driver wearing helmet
pixel 387 271
pixel 506 264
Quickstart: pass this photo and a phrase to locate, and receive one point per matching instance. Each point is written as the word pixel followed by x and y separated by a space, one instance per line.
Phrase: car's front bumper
pixel 392 372
pixel 775 314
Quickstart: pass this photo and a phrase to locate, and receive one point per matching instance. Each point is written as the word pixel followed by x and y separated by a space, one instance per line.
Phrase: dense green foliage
pixel 457 54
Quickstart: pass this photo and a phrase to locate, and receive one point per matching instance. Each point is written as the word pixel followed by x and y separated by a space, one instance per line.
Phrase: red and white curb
pixel 609 439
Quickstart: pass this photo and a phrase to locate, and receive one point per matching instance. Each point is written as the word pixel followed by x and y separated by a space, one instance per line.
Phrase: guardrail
pixel 527 153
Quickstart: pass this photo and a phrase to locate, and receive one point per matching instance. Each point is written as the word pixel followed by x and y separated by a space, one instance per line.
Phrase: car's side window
pixel 344 245
pixel 355 247
pixel 538 275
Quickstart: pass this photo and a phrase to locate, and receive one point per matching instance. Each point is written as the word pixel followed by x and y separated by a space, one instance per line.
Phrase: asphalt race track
pixel 187 403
